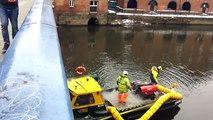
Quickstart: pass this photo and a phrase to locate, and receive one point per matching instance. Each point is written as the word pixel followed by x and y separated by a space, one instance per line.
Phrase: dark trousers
pixel 7 14
pixel 152 79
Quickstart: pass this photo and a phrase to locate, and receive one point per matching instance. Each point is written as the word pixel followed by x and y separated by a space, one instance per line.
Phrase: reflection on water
pixel 186 53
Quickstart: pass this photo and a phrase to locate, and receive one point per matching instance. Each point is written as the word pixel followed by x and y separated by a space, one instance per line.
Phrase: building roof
pixel 83 85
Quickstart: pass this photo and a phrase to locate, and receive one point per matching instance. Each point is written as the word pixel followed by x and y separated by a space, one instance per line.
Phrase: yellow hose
pixel 160 101
pixel 115 114
pixel 176 95
pixel 163 89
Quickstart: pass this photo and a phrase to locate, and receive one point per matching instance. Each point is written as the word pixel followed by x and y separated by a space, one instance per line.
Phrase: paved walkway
pixel 24 7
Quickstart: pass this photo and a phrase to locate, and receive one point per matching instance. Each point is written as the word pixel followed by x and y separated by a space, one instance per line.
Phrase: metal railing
pixel 33 81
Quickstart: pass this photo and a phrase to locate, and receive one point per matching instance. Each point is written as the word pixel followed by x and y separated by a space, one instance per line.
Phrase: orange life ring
pixel 80 70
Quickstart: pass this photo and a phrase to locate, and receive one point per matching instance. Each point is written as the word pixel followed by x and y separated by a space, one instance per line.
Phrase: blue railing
pixel 32 77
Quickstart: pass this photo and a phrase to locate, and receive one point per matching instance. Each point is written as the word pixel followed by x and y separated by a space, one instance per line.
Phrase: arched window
pixel 93 21
pixel 132 4
pixel 172 5
pixel 186 6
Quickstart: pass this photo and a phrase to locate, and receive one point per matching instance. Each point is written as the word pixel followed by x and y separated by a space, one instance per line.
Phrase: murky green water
pixel 184 52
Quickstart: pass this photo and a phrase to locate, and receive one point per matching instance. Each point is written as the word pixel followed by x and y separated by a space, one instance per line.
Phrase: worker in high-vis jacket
pixel 154 74
pixel 123 87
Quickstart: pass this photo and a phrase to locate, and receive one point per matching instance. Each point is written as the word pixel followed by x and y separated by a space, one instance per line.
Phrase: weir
pixel 32 77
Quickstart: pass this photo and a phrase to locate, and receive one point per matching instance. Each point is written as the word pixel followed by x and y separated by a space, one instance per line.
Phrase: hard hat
pixel 159 68
pixel 125 73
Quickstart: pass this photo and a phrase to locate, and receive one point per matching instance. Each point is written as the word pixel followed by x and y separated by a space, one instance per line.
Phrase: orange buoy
pixel 80 70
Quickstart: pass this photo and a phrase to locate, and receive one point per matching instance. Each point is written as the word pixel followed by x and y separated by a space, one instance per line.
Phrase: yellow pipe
pixel 167 90
pixel 163 89
pixel 170 94
pixel 115 114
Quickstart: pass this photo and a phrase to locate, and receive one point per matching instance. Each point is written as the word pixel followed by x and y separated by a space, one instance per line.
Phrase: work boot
pixel 6 46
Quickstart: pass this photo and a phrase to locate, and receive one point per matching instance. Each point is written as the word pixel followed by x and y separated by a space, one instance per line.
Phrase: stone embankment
pixel 154 18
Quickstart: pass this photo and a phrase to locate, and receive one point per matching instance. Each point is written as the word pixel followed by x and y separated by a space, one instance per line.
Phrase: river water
pixel 184 52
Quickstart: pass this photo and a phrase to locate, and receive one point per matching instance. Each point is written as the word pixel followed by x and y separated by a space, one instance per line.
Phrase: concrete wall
pixel 114 19
pixel 33 80
pixel 79 19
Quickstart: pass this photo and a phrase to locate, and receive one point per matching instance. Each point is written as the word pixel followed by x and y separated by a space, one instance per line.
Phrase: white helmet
pixel 125 72
pixel 159 68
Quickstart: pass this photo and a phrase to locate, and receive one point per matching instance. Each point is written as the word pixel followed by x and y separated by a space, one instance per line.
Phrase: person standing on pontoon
pixel 123 87
pixel 154 74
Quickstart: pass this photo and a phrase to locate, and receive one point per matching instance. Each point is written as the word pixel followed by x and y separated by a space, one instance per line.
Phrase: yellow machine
pixel 86 96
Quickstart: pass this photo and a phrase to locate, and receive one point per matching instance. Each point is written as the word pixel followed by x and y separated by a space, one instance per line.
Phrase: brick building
pixel 177 5
pixel 94 12
pixel 80 12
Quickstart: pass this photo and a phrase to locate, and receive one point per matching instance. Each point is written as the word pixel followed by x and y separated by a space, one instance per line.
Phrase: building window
pixel 93 5
pixel 71 3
